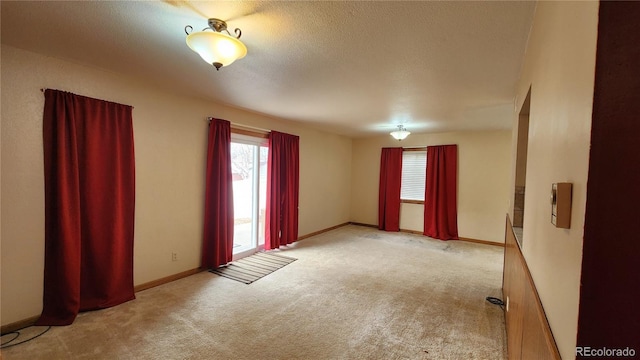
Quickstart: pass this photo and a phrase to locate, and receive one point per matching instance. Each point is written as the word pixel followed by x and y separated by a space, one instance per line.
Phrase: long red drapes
pixel 389 191
pixel 282 190
pixel 440 202
pixel 217 245
pixel 89 205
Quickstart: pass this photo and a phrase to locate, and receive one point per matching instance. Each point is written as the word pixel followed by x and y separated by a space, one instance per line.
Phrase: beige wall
pixel 483 181
pixel 170 145
pixel 559 67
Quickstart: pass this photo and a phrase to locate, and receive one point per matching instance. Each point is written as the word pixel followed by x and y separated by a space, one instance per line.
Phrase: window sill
pixel 419 202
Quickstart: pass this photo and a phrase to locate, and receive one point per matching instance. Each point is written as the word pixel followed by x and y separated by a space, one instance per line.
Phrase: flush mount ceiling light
pixel 215 47
pixel 400 134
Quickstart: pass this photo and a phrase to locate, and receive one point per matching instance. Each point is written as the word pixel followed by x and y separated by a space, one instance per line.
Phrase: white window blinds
pixel 414 174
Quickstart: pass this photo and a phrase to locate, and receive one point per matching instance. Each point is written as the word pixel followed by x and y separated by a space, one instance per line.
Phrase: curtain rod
pixel 244 126
pixel 89 97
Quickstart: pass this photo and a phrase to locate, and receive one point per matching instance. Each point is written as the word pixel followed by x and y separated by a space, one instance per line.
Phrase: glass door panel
pixel 249 169
pixel 241 169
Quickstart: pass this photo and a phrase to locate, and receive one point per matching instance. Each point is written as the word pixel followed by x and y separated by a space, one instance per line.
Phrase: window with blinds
pixel 414 175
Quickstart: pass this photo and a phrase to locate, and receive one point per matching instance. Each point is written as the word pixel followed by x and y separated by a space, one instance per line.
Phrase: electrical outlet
pixel 507 304
pixel 174 256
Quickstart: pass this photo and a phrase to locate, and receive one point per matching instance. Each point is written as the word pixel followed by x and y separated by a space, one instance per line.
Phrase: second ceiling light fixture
pixel 400 134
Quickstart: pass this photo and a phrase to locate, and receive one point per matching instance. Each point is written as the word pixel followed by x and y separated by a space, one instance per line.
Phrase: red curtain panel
pixel 89 205
pixel 389 191
pixel 283 181
pixel 440 200
pixel 217 245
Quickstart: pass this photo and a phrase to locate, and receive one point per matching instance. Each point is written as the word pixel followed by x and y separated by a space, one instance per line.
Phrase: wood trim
pixel 529 335
pixel 363 224
pixel 415 149
pixel 478 241
pixel 322 231
pixel 249 133
pixel 166 280
pixel 20 324
pixel 416 232
pixel 376 226
pixel 419 202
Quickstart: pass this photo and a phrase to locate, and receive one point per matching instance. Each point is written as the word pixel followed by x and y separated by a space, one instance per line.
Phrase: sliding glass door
pixel 249 168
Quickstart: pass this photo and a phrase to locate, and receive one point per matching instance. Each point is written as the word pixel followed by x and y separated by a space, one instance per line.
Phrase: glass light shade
pixel 400 134
pixel 214 47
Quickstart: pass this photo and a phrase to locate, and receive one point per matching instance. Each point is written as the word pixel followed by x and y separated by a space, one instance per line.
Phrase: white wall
pixel 484 162
pixel 560 68
pixel 170 146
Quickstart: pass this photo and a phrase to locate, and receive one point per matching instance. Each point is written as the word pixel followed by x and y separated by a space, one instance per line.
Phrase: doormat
pixel 254 267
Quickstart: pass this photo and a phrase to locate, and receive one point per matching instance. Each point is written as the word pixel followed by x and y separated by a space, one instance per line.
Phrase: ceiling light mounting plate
pixel 221 25
pixel 216 25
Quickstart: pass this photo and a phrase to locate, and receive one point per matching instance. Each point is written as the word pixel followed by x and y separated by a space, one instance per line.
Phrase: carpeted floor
pixel 354 293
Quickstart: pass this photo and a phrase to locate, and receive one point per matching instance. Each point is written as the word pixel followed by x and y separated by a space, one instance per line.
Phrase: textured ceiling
pixel 353 68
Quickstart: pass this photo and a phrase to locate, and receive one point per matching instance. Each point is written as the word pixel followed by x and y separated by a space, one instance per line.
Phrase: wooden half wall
pixel 528 333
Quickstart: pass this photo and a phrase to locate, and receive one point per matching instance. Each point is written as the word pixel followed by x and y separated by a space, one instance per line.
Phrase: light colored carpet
pixel 354 293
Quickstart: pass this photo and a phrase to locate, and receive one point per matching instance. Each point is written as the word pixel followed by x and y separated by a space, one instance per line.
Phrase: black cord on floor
pixel 496 301
pixel 17 334
pixel 11 333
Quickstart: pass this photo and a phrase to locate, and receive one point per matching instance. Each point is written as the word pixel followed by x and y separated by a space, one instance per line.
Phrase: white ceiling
pixel 353 68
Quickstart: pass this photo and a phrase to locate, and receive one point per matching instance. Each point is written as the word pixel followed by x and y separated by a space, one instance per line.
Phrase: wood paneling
pixel 528 332
pixel 513 290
